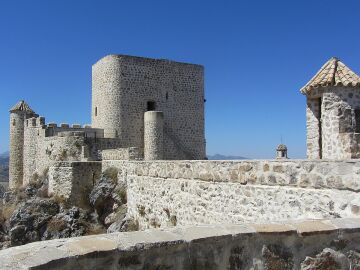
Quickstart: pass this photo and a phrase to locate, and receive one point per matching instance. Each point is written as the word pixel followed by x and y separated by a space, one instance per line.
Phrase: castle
pixel 148 123
pixel 141 109
pixel 148 126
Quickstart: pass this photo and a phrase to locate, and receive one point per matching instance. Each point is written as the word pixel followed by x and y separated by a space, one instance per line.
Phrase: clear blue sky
pixel 257 55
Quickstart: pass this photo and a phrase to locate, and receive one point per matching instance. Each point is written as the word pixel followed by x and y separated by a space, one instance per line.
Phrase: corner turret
pixel 333 112
pixel 18 114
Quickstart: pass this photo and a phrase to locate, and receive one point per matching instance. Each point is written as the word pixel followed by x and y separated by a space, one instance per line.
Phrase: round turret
pixel 18 114
pixel 106 96
pixel 153 135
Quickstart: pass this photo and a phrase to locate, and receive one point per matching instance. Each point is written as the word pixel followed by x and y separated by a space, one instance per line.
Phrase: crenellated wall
pixel 292 245
pixel 46 144
pixel 167 193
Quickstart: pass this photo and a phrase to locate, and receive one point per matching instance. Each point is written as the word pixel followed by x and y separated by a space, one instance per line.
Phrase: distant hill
pixel 222 157
pixel 4 167
pixel 4 155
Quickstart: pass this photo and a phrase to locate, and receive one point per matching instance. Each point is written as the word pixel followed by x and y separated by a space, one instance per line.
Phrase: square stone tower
pixel 333 112
pixel 125 87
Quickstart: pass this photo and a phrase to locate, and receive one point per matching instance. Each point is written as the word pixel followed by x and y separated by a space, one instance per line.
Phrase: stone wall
pixel 123 86
pixel 339 139
pixel 73 181
pixel 326 244
pixel 16 148
pixel 313 141
pixel 154 135
pixel 131 153
pixel 168 193
pixel 43 145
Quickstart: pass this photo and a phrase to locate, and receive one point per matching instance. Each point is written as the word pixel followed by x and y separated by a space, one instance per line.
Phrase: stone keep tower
pixel 125 87
pixel 333 112
pixel 18 114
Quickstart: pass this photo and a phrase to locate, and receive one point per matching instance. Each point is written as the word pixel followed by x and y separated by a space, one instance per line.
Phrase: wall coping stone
pixel 42 254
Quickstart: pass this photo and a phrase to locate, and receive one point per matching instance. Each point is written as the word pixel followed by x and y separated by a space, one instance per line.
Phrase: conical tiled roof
pixel 333 73
pixel 22 106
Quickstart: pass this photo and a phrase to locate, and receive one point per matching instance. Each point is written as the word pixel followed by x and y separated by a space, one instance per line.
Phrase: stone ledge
pixel 67 253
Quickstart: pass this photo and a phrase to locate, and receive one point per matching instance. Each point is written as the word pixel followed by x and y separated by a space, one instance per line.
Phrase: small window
pixel 357 120
pixel 151 106
pixel 13 122
pixel 167 95
pixel 95 111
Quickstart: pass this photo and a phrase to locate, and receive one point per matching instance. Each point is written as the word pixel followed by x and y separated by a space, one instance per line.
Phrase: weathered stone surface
pixel 328 259
pixel 204 247
pixel 101 197
pixel 213 192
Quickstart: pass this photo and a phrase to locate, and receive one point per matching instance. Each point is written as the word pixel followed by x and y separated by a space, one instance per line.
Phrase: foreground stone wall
pixel 168 193
pixel 326 244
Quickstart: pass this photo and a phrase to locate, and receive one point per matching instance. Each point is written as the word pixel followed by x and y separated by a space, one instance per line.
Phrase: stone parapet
pixel 242 246
pixel 168 193
pixel 318 174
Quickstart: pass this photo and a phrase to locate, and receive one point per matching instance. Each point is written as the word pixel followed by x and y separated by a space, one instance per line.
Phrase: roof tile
pixel 333 73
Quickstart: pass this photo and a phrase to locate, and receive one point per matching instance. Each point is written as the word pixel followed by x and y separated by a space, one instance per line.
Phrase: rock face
pixel 102 199
pixel 29 215
pixel 29 220
pixel 330 259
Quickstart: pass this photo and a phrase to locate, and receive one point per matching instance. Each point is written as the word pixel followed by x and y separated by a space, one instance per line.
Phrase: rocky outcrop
pixel 108 198
pixel 30 219
pixel 28 215
pixel 330 259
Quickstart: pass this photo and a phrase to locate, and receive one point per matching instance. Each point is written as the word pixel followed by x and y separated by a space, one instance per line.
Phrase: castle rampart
pixel 210 192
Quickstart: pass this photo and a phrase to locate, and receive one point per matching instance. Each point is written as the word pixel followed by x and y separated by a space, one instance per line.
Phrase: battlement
pixel 53 129
pixel 62 130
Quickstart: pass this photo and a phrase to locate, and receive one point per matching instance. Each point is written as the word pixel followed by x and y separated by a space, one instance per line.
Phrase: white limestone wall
pixel 73 181
pixel 42 145
pixel 154 135
pixel 131 153
pixel 312 128
pixel 165 193
pixel 339 140
pixel 122 86
pixel 31 134
pixel 16 149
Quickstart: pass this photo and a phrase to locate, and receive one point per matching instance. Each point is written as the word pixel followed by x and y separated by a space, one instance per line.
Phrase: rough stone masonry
pixel 147 116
